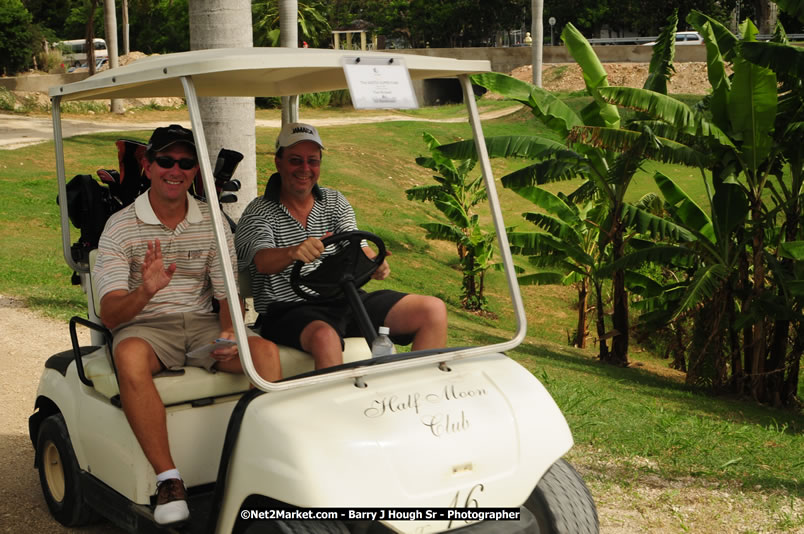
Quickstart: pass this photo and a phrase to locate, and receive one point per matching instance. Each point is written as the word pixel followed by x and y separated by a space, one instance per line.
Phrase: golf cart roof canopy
pixel 248 72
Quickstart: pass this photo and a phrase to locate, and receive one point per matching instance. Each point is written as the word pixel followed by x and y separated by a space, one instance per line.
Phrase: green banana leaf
pixel 566 165
pixel 539 279
pixel 667 109
pixel 646 223
pixel 556 114
pixel 793 250
pixel 621 140
pixel 752 105
pixel 730 209
pixel 661 61
pixel 689 213
pixel 718 77
pixel 443 232
pixel 726 41
pixel 792 7
pixel 785 60
pixel 594 75
pixel 705 283
pixel 550 203
pixel 504 146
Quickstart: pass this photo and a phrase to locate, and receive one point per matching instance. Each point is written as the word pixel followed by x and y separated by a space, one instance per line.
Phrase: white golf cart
pixel 406 436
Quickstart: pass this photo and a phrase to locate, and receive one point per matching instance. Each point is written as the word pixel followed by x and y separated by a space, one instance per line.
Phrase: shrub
pixel 51 62
pixel 6 100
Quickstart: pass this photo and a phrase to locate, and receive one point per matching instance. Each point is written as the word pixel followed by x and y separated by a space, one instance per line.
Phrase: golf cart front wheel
pixel 59 474
pixel 562 504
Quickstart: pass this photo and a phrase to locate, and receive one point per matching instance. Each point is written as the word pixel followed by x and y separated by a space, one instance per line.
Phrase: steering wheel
pixel 347 267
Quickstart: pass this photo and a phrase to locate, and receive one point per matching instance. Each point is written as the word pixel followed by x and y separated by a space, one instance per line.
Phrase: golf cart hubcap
pixel 54 471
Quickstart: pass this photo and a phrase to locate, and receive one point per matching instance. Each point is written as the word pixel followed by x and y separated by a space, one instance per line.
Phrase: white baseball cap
pixel 296 132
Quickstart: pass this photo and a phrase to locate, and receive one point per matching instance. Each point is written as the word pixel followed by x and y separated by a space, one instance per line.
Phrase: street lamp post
pixel 552 21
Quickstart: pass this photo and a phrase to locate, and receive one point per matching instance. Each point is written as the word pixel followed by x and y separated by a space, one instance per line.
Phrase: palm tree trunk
pixel 620 321
pixel 743 286
pixel 289 38
pixel 228 122
pixel 603 353
pixel 737 371
pixel 777 383
pixel 110 23
pixel 537 33
pixel 90 37
pixel 790 393
pixel 580 332
pixel 679 355
pixel 758 352
pixel 124 11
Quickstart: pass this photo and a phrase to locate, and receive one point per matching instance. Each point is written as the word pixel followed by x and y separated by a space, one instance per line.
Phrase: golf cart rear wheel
pixel 562 504
pixel 59 474
pixel 290 526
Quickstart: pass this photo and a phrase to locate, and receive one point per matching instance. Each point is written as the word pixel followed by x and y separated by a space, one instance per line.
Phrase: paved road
pixel 17 131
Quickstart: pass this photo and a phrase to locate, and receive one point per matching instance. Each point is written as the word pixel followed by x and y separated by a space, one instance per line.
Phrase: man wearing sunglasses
pixel 287 224
pixel 157 273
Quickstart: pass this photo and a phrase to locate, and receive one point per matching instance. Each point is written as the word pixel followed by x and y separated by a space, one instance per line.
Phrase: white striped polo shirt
pixel 266 223
pixel 191 246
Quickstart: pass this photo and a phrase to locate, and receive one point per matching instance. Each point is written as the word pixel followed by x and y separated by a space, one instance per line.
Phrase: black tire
pixel 59 474
pixel 292 526
pixel 562 504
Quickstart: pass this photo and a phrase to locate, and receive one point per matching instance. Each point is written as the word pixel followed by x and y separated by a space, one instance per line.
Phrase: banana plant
pixel 710 253
pixel 745 106
pixel 787 196
pixel 562 158
pixel 565 249
pixel 456 195
pixel 752 132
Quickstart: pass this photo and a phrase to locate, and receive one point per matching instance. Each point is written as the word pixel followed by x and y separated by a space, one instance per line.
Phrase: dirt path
pixel 22 507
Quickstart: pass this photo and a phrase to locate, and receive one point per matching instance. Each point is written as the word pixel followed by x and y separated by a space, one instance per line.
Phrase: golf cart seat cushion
pixel 196 383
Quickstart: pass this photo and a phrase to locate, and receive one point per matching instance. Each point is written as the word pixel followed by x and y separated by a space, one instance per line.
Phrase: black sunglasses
pixel 166 162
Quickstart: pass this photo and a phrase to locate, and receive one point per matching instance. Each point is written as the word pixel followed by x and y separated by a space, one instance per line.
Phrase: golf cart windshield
pixel 276 72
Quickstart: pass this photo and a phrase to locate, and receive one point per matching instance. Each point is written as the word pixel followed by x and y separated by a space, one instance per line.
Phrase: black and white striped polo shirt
pixel 266 223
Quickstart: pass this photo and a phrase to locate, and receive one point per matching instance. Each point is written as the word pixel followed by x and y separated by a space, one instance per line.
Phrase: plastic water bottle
pixel 382 345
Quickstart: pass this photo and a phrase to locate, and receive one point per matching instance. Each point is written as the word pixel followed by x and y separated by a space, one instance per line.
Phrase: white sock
pixel 167 475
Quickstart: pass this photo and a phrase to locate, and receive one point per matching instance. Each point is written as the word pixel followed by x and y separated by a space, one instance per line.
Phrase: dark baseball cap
pixel 165 136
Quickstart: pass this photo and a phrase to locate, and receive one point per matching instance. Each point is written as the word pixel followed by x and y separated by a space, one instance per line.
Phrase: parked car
pixel 684 38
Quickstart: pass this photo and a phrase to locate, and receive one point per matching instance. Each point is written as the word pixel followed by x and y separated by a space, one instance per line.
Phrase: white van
pixel 75 50
pixel 684 38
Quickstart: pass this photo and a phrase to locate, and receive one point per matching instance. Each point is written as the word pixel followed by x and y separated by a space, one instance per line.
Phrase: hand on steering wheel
pixel 350 265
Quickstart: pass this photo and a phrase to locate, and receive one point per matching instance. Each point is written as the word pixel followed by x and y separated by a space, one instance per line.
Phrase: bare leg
pixel 423 316
pixel 323 342
pixel 136 364
pixel 265 356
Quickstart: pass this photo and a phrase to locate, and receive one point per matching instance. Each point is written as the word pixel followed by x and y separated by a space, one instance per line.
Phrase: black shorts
pixel 283 322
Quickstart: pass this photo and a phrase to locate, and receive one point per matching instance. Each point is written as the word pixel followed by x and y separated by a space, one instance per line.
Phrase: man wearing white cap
pixel 287 224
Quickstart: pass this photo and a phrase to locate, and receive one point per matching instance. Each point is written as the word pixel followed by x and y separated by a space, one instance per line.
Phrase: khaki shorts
pixel 173 336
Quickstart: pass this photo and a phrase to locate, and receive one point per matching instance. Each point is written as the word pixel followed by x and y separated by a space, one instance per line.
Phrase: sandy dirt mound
pixel 689 78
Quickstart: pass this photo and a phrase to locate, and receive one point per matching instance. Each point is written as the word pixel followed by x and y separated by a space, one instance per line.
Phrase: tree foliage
pixel 645 18
pixel 313 26
pixel 16 48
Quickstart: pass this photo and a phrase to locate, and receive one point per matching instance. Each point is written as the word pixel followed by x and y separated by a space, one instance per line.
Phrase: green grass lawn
pixel 642 411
